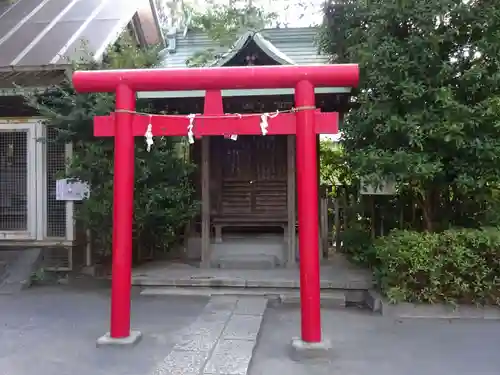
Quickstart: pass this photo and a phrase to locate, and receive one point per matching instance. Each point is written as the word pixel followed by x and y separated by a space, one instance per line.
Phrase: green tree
pixel 427 111
pixel 163 201
pixel 224 23
pixel 333 167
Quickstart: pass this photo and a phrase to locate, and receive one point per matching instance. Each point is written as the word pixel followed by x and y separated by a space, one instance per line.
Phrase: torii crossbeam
pixel 305 123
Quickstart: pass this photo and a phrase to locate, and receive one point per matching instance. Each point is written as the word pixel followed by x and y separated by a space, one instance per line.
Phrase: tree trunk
pixel 425 203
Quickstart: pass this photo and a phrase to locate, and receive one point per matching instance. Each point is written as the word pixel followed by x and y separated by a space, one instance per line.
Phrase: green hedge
pixel 457 266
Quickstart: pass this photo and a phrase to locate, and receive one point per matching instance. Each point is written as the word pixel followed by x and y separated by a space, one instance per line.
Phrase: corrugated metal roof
pixel 49 33
pixel 297 44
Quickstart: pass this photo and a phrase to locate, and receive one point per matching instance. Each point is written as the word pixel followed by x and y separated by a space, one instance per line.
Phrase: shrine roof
pixel 295 45
pixel 286 46
pixel 39 38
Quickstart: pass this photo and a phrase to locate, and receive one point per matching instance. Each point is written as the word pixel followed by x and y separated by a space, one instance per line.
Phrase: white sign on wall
pixel 71 190
pixel 385 188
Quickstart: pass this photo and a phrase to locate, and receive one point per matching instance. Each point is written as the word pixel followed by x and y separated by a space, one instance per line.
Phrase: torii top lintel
pixel 224 78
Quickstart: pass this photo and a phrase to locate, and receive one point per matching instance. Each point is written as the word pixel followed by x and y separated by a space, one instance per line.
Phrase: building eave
pixel 236 93
pixel 266 46
pixel 60 29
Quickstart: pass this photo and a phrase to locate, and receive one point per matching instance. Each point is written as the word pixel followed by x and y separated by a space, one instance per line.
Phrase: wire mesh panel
pixel 56 164
pixel 13 180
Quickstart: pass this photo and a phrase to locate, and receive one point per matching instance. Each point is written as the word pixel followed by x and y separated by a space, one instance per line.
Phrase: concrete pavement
pixel 370 344
pixel 53 331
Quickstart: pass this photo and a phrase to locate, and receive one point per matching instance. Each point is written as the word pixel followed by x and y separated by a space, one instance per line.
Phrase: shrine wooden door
pixel 252 177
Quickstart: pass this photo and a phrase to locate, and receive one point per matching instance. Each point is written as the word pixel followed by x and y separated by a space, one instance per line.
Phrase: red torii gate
pixel 125 124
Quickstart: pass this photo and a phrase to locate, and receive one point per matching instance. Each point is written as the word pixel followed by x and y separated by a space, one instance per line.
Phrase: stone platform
pixel 337 276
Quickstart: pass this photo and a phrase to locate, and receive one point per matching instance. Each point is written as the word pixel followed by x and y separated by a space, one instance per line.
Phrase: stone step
pixel 17 272
pixel 329 298
pixel 247 254
pixel 245 279
pixel 246 261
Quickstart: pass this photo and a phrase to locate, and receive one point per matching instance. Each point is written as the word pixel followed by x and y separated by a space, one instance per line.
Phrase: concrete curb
pixel 232 282
pixel 330 298
pixel 380 305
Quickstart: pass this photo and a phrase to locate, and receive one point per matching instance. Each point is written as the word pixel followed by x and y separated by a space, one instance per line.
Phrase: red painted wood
pixel 123 212
pixel 308 217
pixel 284 123
pixel 213 104
pixel 248 77
pixel 305 124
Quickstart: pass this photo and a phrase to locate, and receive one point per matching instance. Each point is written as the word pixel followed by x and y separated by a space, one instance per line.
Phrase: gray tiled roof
pixel 298 44
pixel 49 33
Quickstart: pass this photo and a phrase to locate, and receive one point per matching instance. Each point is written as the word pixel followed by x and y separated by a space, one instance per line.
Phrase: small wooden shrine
pixel 247 184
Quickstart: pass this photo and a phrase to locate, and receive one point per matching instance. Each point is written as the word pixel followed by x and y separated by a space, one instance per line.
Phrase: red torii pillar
pixel 305 123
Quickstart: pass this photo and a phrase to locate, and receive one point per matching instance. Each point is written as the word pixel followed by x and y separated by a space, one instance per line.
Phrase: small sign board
pixel 68 189
pixel 385 188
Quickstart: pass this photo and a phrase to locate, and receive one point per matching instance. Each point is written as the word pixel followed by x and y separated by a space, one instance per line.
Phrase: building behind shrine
pixel 38 39
pixel 246 186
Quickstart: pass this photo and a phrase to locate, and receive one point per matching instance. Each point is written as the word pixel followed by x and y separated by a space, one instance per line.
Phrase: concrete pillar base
pixel 302 350
pixel 107 340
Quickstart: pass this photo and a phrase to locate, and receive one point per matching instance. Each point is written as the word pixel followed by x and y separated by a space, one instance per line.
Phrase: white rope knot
pixel 149 135
pixel 263 121
pixel 190 133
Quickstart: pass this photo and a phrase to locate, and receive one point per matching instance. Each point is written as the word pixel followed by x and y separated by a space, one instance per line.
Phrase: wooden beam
pixel 284 123
pixel 236 93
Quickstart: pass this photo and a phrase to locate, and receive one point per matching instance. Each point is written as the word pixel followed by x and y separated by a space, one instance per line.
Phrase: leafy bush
pixel 457 266
pixel 357 244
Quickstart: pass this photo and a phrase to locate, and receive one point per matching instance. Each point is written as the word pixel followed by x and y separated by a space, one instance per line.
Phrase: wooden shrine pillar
pixel 323 229
pixel 291 255
pixel 213 106
pixel 205 202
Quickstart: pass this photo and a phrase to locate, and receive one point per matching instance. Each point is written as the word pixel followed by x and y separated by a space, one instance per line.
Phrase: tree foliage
pixel 163 193
pixel 427 113
pixel 223 24
pixel 333 168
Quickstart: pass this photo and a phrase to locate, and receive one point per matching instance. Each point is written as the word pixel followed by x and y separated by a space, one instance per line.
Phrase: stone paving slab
pixel 182 363
pixel 221 304
pixel 220 341
pixel 215 316
pixel 251 306
pixel 231 357
pixel 198 343
pixel 200 328
pixel 242 327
